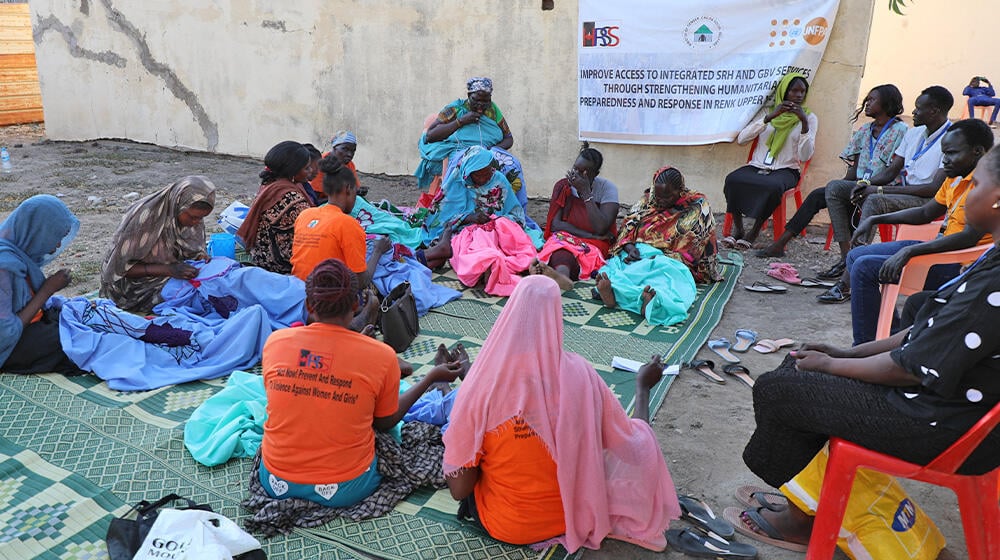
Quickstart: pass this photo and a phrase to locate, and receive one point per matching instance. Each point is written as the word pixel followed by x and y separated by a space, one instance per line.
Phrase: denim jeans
pixel 864 264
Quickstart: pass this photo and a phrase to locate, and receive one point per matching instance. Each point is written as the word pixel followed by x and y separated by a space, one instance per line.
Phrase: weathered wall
pixel 930 45
pixel 239 76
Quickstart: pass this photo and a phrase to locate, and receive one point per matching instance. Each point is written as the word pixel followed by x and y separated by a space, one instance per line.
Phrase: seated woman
pixel 526 474
pixel 32 236
pixel 312 174
pixel 474 121
pixel 308 391
pixel 268 227
pixel 477 203
pixel 157 234
pixel 580 224
pixel 910 396
pixel 670 226
pixel 786 137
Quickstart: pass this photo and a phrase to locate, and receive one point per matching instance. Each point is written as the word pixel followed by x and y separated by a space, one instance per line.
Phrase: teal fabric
pixel 486 132
pixel 376 220
pixel 345 494
pixel 230 423
pixel 674 285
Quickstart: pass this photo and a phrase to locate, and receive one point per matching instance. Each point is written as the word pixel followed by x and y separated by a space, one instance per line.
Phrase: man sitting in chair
pixel 982 96
pixel 869 265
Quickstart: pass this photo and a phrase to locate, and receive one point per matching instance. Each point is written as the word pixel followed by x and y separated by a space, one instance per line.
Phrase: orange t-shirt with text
pixel 325 385
pixel 317 182
pixel 517 493
pixel 327 233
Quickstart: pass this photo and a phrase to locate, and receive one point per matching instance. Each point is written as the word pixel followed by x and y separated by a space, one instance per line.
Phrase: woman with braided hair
pixel 328 388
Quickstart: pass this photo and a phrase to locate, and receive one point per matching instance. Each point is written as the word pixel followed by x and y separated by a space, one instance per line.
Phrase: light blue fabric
pixel 672 280
pixel 32 236
pixel 282 297
pixel 230 423
pixel 485 132
pixel 376 220
pixel 101 338
pixel 392 272
pixel 432 407
pixel 462 197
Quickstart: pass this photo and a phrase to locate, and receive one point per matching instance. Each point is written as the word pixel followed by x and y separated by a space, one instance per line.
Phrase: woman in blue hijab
pixel 30 238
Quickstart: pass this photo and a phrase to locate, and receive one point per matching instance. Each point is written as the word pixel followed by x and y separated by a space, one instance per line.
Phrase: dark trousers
pixel 797 412
pixel 811 206
pixel 39 349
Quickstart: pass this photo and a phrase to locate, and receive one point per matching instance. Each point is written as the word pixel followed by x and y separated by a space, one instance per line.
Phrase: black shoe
pixel 836 294
pixel 834 272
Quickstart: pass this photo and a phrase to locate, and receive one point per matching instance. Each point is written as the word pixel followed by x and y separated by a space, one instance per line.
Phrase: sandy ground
pixel 702 426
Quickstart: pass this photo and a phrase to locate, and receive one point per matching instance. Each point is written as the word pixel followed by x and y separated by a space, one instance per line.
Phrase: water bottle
pixel 5 160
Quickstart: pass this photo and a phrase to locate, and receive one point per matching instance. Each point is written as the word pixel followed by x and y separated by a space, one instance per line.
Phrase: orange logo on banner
pixel 815 31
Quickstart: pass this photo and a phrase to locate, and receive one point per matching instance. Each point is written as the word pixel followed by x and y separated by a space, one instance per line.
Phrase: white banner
pixel 690 71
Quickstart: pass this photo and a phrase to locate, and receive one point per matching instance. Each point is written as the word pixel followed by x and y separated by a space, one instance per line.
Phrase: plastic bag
pixel 881 520
pixel 194 534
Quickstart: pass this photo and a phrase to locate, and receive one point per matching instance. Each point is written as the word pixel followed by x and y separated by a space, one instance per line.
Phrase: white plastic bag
pixel 193 534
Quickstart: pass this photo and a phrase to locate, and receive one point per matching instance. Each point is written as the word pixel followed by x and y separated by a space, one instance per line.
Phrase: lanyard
pixel 874 144
pixel 968 269
pixel 921 149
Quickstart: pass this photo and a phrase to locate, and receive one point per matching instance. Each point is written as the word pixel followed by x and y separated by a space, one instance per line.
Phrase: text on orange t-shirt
pixel 324 233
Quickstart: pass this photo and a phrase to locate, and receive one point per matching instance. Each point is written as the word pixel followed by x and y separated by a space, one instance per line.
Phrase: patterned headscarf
pixel 479 84
pixel 343 137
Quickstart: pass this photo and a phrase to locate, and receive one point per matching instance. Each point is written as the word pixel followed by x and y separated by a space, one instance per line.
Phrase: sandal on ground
pixel 769 346
pixel 743 245
pixel 698 545
pixel 786 274
pixel 745 338
pixel 753 496
pixel 817 283
pixel 766 288
pixel 721 347
pixel 706 368
pixel 728 242
pixel 739 372
pixel 834 272
pixel 699 514
pixel 768 534
pixel 836 294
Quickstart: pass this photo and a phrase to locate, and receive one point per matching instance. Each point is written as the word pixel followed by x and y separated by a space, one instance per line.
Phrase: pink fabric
pixel 611 472
pixel 499 246
pixel 587 254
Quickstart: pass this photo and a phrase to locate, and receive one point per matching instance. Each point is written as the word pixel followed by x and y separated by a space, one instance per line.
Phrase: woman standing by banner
pixel 786 137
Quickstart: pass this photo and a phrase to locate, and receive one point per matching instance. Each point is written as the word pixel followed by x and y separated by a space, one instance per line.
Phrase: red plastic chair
pixel 978 496
pixel 886 232
pixel 778 217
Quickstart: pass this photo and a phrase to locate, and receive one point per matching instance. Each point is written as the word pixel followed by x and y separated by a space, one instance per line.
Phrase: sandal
pixel 743 245
pixel 769 346
pixel 742 520
pixel 784 272
pixel 834 272
pixel 754 496
pixel 745 338
pixel 721 346
pixel 817 283
pixel 699 514
pixel 706 368
pixel 728 242
pixel 766 288
pixel 740 372
pixel 698 545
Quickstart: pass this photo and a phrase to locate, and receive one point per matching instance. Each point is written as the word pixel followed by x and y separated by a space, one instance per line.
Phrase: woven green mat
pixel 74 454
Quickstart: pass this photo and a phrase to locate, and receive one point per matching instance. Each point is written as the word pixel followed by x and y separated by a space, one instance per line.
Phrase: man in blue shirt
pixel 980 95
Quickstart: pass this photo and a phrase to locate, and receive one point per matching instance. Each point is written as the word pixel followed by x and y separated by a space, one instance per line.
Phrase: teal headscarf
pixel 785 122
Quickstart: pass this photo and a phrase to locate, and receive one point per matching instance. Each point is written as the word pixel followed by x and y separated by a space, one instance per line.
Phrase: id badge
pixel 768 159
pixel 867 175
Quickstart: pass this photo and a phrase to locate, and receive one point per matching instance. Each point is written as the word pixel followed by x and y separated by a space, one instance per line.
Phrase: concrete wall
pixel 237 76
pixel 929 46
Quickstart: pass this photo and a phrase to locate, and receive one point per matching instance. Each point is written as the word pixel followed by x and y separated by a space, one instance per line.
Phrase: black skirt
pixel 755 195
pixel 39 350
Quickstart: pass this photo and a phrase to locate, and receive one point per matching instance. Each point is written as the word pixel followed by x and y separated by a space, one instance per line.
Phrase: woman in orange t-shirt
pixel 328 388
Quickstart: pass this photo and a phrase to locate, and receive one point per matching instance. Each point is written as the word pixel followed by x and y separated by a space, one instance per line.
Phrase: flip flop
pixel 740 372
pixel 743 245
pixel 699 514
pixel 768 346
pixel 721 346
pixel 755 496
pixel 706 368
pixel 728 242
pixel 745 338
pixel 816 283
pixel 765 288
pixel 707 546
pixel 770 535
pixel 786 274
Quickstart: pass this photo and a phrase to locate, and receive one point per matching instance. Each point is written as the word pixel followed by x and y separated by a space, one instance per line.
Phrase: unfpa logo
pixel 606 36
pixel 310 360
pixel 815 31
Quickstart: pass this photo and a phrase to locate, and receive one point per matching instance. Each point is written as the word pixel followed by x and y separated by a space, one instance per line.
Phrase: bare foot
pixel 442 356
pixel 462 357
pixel 648 293
pixel 771 250
pixel 605 291
pixel 791 523
pixel 538 267
pixel 405 368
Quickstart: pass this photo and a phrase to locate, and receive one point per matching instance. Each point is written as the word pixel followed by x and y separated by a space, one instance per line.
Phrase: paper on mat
pixel 618 362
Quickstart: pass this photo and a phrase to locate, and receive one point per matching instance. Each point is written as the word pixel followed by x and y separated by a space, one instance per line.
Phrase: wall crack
pixel 53 24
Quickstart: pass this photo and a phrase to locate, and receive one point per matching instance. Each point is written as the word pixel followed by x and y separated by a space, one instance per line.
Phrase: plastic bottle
pixel 7 167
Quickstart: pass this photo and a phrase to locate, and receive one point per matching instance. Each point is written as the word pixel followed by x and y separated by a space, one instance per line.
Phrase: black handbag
pixel 399 322
pixel 125 536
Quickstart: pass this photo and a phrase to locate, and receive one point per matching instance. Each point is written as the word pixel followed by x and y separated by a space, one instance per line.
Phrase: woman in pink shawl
pixel 539 450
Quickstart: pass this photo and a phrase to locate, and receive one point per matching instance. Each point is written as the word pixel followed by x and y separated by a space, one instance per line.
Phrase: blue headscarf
pixel 31 237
